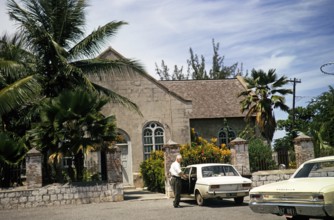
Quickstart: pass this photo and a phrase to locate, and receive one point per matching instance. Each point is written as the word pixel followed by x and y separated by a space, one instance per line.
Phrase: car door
pixel 192 180
pixel 186 181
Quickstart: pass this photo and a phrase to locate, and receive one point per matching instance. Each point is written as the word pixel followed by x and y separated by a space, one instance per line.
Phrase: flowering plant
pixel 203 151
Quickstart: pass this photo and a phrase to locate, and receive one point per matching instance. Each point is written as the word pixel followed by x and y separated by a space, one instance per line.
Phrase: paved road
pixel 134 209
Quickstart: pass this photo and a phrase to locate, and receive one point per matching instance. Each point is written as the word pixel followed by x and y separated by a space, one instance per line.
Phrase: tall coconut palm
pixel 54 31
pixel 264 93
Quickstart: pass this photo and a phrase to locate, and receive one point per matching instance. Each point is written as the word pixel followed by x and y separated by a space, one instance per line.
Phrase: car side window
pixel 186 170
pixel 193 172
pixel 229 171
pixel 321 169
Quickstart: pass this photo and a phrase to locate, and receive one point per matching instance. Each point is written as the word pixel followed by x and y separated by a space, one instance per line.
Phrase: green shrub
pixel 260 156
pixel 153 172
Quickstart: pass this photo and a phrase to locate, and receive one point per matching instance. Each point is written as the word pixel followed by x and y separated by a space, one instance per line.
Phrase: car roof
pixel 321 159
pixel 208 164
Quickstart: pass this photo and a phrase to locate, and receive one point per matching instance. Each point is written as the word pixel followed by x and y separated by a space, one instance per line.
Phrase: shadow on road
pixel 142 195
pixel 213 203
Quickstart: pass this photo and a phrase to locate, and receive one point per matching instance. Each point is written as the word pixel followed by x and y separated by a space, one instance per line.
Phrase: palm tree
pixel 71 125
pixel 263 95
pixel 19 88
pixel 63 57
pixel 18 84
pixel 54 32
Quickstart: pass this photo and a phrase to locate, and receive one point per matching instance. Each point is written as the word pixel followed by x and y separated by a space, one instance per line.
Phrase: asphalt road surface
pixel 160 209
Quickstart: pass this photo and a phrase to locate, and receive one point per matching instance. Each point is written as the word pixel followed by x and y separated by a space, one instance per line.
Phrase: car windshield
pixel 318 169
pixel 218 170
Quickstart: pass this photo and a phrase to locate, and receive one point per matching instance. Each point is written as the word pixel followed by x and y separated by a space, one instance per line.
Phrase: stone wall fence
pixel 33 195
pixel 270 176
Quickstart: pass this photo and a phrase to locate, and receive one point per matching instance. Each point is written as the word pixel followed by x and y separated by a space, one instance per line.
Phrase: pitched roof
pixel 211 98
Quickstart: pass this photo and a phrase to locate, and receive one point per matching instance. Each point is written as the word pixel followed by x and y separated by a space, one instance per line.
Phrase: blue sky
pixel 294 37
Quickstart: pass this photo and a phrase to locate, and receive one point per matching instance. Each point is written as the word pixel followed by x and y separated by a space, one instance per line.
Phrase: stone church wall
pixel 155 103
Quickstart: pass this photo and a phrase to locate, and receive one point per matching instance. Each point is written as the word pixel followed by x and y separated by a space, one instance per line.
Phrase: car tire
pixel 199 199
pixel 239 200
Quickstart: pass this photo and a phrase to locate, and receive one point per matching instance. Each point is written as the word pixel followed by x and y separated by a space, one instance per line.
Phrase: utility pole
pixel 294 81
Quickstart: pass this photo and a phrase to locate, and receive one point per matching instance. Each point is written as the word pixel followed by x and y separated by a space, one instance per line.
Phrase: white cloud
pixel 280 62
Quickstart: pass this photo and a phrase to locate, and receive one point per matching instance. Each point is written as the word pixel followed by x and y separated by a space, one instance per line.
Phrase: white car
pixel 309 193
pixel 214 180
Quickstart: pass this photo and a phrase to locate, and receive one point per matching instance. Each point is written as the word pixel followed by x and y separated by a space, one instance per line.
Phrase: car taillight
pixel 246 185
pixel 255 196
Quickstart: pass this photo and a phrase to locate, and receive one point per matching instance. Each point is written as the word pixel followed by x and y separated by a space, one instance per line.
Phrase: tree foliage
pixel 260 156
pixel 72 124
pixel 52 55
pixel 18 85
pixel 47 98
pixel 315 120
pixel 65 58
pixel 197 68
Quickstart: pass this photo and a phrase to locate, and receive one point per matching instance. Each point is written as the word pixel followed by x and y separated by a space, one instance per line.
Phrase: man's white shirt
pixel 175 169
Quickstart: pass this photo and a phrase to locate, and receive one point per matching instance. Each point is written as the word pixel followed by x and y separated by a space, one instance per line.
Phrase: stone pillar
pixel 304 149
pixel 34 169
pixel 240 156
pixel 171 149
pixel 114 165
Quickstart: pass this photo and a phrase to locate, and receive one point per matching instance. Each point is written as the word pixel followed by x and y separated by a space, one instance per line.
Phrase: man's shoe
pixel 177 206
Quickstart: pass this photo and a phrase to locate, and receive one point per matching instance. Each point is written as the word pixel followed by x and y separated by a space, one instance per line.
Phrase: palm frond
pixel 90 46
pixel 18 93
pixel 118 99
pixel 281 91
pixel 120 67
pixel 280 82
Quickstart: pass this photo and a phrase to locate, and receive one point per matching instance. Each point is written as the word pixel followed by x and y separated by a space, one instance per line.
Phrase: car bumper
pixel 224 194
pixel 312 210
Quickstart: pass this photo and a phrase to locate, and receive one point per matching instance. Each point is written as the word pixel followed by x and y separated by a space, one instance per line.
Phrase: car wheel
pixel 199 199
pixel 239 200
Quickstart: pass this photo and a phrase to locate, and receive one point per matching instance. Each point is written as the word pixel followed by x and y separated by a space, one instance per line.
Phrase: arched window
pixel 153 138
pixel 225 136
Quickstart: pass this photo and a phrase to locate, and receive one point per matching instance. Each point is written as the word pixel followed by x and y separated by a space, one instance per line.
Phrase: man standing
pixel 176 172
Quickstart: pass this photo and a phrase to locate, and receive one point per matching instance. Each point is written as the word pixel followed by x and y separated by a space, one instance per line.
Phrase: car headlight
pixel 318 198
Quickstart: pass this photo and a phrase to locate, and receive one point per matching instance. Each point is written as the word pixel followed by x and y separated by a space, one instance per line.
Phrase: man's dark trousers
pixel 176 186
